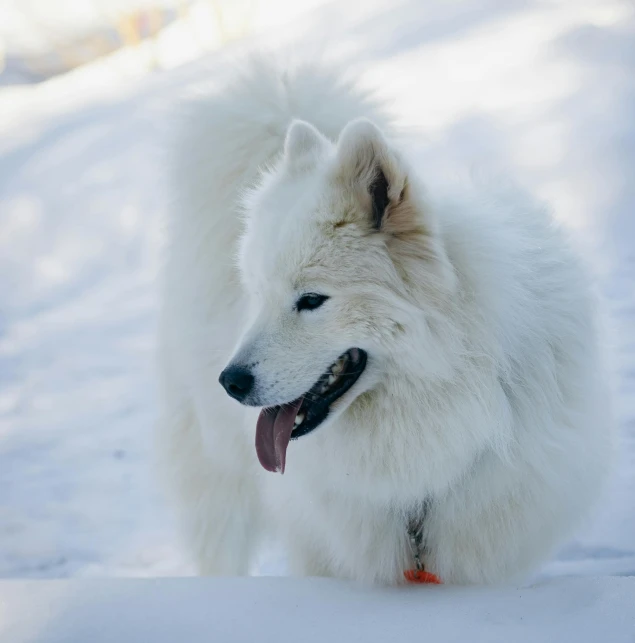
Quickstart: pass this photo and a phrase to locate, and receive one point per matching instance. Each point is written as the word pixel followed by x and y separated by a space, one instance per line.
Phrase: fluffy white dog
pixel 424 370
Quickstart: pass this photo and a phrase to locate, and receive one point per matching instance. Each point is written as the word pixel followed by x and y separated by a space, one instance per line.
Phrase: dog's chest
pixel 362 539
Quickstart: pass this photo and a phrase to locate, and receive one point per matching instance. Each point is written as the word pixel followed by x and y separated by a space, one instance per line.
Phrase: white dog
pixel 425 371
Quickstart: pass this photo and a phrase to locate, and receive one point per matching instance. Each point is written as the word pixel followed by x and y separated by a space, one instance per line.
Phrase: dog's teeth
pixel 332 379
pixel 338 367
pixel 299 418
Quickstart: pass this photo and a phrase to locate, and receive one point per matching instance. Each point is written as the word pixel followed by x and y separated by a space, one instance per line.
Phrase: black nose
pixel 237 381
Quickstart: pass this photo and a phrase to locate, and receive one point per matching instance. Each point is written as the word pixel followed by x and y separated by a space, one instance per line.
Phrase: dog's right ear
pixel 304 146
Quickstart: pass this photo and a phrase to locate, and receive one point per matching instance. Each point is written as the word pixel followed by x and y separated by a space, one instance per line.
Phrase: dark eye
pixel 310 301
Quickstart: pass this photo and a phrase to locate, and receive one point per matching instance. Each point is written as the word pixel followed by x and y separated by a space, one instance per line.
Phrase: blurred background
pixel 541 90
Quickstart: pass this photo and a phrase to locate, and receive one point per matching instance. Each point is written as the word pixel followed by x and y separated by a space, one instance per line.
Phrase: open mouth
pixel 277 425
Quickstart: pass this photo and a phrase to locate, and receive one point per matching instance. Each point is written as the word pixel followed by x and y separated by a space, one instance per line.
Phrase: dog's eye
pixel 310 301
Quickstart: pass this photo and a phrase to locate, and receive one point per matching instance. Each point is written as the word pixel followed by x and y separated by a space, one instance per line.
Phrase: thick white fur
pixel 483 394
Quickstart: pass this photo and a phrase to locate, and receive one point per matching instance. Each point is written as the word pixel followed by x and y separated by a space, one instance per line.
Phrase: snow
pixel 313 610
pixel 543 90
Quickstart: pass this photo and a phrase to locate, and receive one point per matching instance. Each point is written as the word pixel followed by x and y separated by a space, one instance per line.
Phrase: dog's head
pixel 347 279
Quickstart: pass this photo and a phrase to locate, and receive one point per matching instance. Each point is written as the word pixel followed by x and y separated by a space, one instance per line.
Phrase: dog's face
pixel 334 247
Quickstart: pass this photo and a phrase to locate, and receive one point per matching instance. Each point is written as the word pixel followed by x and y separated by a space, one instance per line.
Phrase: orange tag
pixel 421 577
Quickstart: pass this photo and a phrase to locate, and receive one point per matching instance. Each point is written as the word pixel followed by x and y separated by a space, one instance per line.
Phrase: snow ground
pixel 313 610
pixel 542 89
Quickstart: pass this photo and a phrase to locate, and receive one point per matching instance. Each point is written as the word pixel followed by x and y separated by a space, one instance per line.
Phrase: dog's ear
pixel 304 146
pixel 369 167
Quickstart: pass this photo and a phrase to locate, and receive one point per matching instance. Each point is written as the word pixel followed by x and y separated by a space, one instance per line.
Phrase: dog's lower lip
pixel 316 403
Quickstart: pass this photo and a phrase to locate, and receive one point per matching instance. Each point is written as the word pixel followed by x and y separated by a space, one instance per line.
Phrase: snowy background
pixel 541 89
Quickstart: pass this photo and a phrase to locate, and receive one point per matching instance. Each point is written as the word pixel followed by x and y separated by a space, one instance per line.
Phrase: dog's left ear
pixel 372 170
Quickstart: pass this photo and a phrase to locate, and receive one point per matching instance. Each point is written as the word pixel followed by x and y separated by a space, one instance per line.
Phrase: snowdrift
pixel 312 610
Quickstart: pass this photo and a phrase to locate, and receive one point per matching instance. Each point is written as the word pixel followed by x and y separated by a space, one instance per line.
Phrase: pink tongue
pixel 273 432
